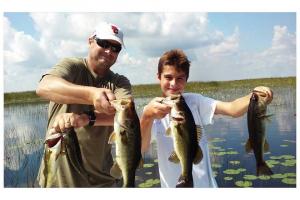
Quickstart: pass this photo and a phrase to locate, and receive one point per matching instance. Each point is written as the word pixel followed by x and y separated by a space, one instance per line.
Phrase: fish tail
pixel 263 169
pixel 185 182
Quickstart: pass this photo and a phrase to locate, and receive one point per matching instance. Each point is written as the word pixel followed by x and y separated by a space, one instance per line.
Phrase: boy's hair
pixel 176 58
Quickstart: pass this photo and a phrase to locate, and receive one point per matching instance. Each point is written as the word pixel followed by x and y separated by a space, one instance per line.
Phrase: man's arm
pixel 58 90
pixel 64 121
pixel 239 106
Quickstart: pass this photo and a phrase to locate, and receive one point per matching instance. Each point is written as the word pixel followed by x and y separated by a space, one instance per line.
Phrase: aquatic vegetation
pixel 156 160
pixel 149 173
pixel 243 183
pixel 148 165
pixel 277 176
pixel 264 177
pixel 234 162
pixel 214 165
pixel 290 174
pixel 290 141
pixel 217 140
pixel 242 169
pixel 250 177
pixel 275 157
pixel 232 171
pixel 287 157
pixel 222 153
pixel 149 183
pixel 290 181
pixel 289 163
pixel 228 178
pixel 284 145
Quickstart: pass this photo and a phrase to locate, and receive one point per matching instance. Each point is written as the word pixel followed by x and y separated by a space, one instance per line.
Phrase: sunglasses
pixel 106 44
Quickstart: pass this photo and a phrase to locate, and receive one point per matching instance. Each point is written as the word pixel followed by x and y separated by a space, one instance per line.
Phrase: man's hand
pixel 264 92
pixel 101 101
pixel 64 121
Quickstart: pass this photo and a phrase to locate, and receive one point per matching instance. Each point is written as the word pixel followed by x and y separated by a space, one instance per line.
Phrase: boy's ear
pixel 158 76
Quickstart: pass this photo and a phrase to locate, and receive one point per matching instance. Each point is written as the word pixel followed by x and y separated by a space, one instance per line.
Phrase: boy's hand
pixel 156 109
pixel 264 92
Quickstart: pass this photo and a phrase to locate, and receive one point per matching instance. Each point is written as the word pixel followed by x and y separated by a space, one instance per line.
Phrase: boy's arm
pixel 154 110
pixel 239 106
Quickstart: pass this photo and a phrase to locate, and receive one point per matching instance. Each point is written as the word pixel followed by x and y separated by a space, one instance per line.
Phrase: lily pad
pixel 290 181
pixel 234 162
pixel 264 177
pixel 290 174
pixel 289 163
pixel 242 169
pixel 250 177
pixel 148 173
pixel 232 171
pixel 216 165
pixel 243 183
pixel 232 152
pixel 148 165
pixel 276 176
pixel 275 157
pixel 217 140
pixel 156 160
pixel 284 145
pixel 228 178
pixel 287 156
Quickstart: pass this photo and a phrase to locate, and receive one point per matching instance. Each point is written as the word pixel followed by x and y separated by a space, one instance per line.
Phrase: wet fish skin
pixel 185 139
pixel 256 117
pixel 127 137
pixel 55 148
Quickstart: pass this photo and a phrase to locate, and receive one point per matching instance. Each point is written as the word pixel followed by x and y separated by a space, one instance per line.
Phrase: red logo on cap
pixel 115 29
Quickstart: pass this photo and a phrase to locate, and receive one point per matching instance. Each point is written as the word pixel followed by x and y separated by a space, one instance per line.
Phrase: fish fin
pixel 263 169
pixel 115 171
pixel 185 182
pixel 141 163
pixel 198 156
pixel 198 133
pixel 248 146
pixel 174 158
pixel 266 146
pixel 168 132
pixel 112 138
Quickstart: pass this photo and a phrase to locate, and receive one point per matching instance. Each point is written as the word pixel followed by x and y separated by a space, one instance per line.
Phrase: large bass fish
pixel 185 139
pixel 257 142
pixel 127 136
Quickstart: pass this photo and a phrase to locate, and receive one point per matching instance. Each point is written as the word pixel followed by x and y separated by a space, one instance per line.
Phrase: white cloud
pixel 147 36
pixel 227 46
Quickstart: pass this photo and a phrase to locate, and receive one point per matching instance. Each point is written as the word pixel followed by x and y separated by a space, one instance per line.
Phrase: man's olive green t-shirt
pixel 93 141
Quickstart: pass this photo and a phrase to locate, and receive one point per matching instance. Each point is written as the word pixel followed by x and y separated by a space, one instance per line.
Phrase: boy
pixel 173 73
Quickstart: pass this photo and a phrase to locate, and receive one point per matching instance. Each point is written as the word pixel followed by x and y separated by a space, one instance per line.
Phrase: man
pixel 173 73
pixel 83 88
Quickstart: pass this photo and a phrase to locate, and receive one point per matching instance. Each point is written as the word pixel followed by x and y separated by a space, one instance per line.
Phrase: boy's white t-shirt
pixel 203 110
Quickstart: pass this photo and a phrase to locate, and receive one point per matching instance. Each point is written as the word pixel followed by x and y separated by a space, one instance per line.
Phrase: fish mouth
pixel 178 119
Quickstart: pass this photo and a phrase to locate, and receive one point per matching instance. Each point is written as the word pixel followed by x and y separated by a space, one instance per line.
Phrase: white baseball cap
pixel 108 31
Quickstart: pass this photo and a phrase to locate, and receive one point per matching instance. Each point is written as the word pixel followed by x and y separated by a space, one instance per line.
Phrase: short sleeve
pixel 65 68
pixel 203 108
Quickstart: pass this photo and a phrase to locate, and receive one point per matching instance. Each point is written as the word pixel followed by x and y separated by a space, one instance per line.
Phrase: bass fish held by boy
pixel 257 142
pixel 127 136
pixel 185 139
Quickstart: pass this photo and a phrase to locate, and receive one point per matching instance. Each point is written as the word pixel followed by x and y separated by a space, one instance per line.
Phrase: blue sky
pixel 248 45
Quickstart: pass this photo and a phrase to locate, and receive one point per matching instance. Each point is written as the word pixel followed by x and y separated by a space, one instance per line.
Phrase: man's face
pixel 102 58
pixel 172 81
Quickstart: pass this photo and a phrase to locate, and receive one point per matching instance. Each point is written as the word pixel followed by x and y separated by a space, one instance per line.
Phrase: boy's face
pixel 172 81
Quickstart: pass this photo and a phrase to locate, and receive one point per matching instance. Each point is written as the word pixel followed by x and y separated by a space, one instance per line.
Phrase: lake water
pixel 25 125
